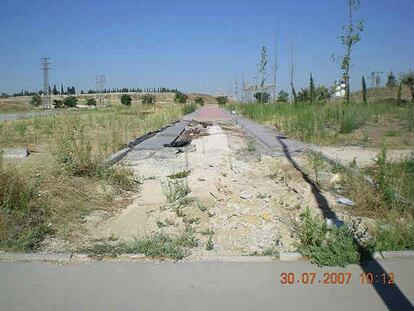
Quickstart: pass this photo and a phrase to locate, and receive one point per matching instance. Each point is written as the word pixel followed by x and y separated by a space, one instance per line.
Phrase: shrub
pixel 70 101
pixel 175 189
pixel 262 97
pixel 283 97
pixel 57 103
pixel 36 100
pixel 325 245
pixel 91 102
pixel 180 98
pixel 126 100
pixel 199 101
pixel 408 80
pixel 222 100
pixel 148 99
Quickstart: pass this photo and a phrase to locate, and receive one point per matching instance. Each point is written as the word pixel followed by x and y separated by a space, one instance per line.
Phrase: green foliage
pixel 70 101
pixel 408 80
pixel 364 91
pixel 210 243
pixel 91 102
pixel 23 212
pixel 391 81
pixel 283 97
pixel 180 98
pixel 36 100
pixel 303 95
pixel 394 233
pixel 322 94
pixel 158 246
pixel 325 245
pixel 175 189
pixel 148 99
pixel 126 100
pixel 57 103
pixel 181 174
pixel 222 100
pixel 199 101
pixel 262 97
pixel 312 93
pixel 188 108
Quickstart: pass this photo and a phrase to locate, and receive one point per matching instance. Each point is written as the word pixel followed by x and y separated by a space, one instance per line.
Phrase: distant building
pixel 339 89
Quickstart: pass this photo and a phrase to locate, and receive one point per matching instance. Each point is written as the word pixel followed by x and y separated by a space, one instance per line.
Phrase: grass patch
pixel 324 245
pixel 181 174
pixel 159 246
pixel 394 234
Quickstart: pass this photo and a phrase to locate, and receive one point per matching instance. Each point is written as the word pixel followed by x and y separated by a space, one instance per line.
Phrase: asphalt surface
pixel 193 286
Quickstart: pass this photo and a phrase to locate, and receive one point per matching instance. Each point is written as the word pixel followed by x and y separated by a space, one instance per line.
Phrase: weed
pixel 326 246
pixel 207 231
pixel 175 189
pixel 201 207
pixel 210 243
pixel 395 234
pixel 391 133
pixel 251 147
pixel 192 221
pixel 179 175
pixel 271 251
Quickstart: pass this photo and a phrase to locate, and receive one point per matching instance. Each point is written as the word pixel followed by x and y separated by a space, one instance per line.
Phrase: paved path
pixel 190 286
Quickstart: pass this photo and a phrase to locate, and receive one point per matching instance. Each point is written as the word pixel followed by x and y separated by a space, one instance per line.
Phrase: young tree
pixel 91 102
pixel 262 68
pixel 262 97
pixel 364 90
pixel 283 96
pixel 312 94
pixel 54 91
pixel 391 81
pixel 62 92
pixel 36 100
pixel 351 36
pixel 199 101
pixel 322 94
pixel 222 100
pixel 408 80
pixel 180 98
pixel 70 101
pixel 126 100
pixel 303 95
pixel 57 103
pixel 148 99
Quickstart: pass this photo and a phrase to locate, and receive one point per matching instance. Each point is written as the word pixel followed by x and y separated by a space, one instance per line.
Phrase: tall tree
pixel 351 36
pixel 62 92
pixel 54 91
pixel 364 90
pixel 311 90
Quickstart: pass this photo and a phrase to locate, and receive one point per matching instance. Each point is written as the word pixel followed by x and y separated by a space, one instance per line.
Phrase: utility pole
pixel 243 90
pixel 100 85
pixel 275 71
pixel 46 95
pixel 236 89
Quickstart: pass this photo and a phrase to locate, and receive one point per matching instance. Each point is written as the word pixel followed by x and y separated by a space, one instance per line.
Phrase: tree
pixel 70 101
pixel 222 100
pixel 199 101
pixel 36 100
pixel 351 36
pixel 262 97
pixel 303 95
pixel 312 94
pixel 148 99
pixel 322 93
pixel 62 92
pixel 57 103
pixel 180 98
pixel 364 91
pixel 408 80
pixel 126 100
pixel 54 91
pixel 391 81
pixel 283 97
pixel 91 102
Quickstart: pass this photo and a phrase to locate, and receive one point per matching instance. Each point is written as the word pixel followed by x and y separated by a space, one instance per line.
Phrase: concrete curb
pixel 75 258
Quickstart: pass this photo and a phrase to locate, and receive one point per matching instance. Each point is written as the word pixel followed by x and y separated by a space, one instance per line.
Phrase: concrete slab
pixel 16 154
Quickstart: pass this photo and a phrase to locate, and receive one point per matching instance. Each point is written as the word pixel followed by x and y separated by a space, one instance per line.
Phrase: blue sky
pixel 198 46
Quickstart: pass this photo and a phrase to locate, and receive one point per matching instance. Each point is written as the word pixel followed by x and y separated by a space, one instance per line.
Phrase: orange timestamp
pixel 334 278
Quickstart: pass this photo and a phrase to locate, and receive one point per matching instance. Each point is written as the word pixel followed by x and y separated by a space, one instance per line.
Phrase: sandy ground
pixel 248 199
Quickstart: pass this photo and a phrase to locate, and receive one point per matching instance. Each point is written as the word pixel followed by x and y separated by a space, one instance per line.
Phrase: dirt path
pixel 243 199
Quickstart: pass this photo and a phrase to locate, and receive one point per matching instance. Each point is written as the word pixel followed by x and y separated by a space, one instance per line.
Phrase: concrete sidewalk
pixel 194 286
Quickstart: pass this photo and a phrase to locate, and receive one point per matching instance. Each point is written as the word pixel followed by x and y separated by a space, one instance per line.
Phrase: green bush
pixel 36 100
pixel 325 245
pixel 222 100
pixel 199 101
pixel 148 99
pixel 283 97
pixel 262 97
pixel 180 98
pixel 70 101
pixel 57 103
pixel 126 100
pixel 91 102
